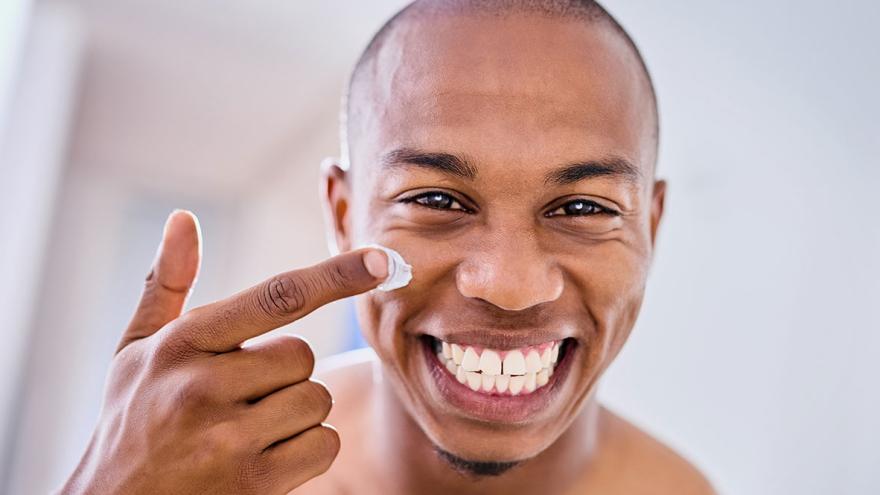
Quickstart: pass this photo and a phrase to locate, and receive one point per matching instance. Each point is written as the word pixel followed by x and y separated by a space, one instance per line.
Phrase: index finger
pixel 223 325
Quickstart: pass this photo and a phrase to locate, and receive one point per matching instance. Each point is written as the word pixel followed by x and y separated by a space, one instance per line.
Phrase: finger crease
pixel 176 290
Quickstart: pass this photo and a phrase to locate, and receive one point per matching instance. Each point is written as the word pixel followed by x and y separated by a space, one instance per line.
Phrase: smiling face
pixel 510 161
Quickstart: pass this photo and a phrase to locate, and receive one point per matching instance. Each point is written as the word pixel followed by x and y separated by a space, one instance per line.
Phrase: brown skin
pixel 503 266
pixel 189 409
pixel 384 452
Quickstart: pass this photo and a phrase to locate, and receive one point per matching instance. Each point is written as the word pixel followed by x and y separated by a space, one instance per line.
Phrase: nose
pixel 510 272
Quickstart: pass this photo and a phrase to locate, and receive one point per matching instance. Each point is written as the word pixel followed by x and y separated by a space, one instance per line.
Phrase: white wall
pixel 36 92
pixel 758 340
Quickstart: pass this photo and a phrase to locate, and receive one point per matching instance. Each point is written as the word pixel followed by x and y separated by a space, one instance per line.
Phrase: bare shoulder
pixel 347 371
pixel 349 378
pixel 633 461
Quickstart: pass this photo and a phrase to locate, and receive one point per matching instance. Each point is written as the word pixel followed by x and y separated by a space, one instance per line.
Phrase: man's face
pixel 493 155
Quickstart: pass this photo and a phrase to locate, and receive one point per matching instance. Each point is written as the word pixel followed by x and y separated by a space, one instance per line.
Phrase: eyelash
pixel 436 195
pixel 595 208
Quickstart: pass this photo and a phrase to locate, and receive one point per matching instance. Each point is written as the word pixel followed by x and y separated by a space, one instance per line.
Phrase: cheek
pixel 378 316
pixel 433 265
pixel 611 287
pixel 386 318
pixel 392 321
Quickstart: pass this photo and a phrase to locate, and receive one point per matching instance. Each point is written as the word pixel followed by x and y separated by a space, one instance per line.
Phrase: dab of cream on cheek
pixel 399 272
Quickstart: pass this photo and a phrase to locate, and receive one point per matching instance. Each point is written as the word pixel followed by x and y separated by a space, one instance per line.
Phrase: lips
pixel 498 385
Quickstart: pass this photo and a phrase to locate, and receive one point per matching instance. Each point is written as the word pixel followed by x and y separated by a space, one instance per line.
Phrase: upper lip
pixel 482 324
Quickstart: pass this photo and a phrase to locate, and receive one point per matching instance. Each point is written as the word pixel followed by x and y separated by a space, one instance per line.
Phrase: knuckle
pixel 154 287
pixel 129 360
pixel 339 276
pixel 190 318
pixel 193 390
pixel 150 286
pixel 224 440
pixel 170 352
pixel 282 295
pixel 336 277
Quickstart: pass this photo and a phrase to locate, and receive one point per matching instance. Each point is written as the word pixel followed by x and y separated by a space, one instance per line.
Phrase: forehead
pixel 517 89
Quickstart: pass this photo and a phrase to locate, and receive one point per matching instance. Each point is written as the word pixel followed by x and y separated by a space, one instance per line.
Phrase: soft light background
pixel 757 351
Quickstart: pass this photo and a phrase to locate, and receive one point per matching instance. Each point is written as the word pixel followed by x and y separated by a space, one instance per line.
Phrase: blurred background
pixel 756 353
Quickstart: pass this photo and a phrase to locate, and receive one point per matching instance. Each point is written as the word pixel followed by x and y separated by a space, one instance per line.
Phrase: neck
pixel 409 463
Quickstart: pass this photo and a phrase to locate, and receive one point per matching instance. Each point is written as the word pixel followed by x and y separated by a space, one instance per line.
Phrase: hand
pixel 188 409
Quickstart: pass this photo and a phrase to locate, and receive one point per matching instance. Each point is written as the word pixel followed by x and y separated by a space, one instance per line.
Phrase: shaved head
pixel 576 11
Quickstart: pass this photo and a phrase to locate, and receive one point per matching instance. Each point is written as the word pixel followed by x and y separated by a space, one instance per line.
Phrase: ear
pixel 657 202
pixel 336 198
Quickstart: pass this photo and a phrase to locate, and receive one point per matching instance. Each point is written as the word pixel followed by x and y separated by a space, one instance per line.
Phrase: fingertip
pixel 181 250
pixel 337 441
pixel 183 220
pixel 324 384
pixel 376 263
pixel 184 224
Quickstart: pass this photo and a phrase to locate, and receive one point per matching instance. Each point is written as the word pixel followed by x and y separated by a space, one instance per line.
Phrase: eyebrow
pixel 442 162
pixel 460 166
pixel 614 167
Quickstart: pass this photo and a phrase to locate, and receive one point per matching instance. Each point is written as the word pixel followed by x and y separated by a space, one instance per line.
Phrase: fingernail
pixel 376 263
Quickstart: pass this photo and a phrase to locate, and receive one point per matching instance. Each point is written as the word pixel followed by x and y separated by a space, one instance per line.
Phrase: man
pixel 506 149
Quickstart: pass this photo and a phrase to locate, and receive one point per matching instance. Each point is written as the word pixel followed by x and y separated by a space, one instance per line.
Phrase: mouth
pixel 499 385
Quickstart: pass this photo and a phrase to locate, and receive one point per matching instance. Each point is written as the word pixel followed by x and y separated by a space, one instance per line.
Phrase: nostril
pixel 515 301
pixel 503 305
pixel 510 280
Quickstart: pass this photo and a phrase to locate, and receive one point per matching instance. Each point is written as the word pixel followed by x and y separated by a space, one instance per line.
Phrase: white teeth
pixel 450 365
pixel 490 362
pixel 542 377
pixel 470 362
pixel 517 373
pixel 474 380
pixel 516 384
pixel 533 362
pixel 447 350
pixel 545 356
pixel 529 385
pixel 514 364
pixel 457 353
pixel 488 382
pixel 501 383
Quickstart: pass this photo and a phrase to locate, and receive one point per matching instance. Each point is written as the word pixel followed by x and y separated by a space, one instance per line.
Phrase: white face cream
pixel 399 272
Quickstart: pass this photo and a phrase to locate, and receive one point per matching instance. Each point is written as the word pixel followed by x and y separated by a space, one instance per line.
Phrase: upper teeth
pixel 516 371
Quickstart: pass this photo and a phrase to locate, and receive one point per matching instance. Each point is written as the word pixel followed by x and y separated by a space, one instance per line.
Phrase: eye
pixel 436 200
pixel 581 207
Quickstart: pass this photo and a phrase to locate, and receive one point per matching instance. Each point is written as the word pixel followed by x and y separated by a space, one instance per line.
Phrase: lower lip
pixel 511 409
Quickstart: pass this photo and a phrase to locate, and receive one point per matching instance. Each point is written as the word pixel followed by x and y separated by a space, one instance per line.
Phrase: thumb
pixel 170 279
